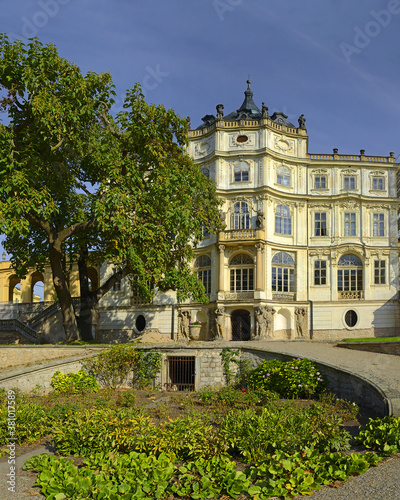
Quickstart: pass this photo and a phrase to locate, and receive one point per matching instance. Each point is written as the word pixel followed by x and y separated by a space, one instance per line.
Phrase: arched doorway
pixel 240 322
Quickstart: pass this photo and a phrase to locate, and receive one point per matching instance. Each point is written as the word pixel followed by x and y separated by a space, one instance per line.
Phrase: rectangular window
pixel 284 180
pixel 379 272
pixel 205 277
pixel 320 182
pixel 349 182
pixel 116 286
pixel 320 272
pixel 320 224
pixel 242 176
pixel 378 183
pixel 379 225
pixel 241 280
pixel 350 224
pixel 282 279
pixel 349 280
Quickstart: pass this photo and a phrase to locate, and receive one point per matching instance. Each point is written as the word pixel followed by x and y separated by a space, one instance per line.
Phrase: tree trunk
pixel 88 300
pixel 64 295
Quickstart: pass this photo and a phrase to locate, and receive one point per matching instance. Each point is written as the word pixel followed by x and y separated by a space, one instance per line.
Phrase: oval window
pixel 351 318
pixel 140 323
pixel 242 138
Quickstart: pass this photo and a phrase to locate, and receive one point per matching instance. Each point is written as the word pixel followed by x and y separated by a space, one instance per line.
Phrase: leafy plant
pixel 382 434
pixel 31 423
pixel 297 378
pixel 229 356
pixel 113 367
pixel 74 383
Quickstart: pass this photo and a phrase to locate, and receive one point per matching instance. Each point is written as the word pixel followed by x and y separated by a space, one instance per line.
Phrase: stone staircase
pixel 28 328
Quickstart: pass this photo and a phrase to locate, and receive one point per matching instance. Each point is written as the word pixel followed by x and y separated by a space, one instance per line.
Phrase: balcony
pixel 240 234
pixel 351 295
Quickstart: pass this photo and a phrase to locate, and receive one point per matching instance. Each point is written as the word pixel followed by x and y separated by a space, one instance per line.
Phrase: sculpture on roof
pixel 302 122
pixel 264 110
pixel 220 111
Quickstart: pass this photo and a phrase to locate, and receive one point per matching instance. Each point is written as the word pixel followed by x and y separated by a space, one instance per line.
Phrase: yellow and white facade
pixel 309 250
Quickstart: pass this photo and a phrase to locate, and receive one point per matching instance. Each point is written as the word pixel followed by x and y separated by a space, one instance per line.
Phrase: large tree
pixel 80 184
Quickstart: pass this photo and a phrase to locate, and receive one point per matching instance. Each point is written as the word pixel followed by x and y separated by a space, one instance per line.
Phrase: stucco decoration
pixel 285 145
pixel 301 314
pixel 202 148
pixel 233 143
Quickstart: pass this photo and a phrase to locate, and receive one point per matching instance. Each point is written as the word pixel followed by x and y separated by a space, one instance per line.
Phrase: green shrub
pixel 106 429
pixel 113 367
pixel 381 434
pixel 297 378
pixel 257 432
pixel 31 423
pixel 74 383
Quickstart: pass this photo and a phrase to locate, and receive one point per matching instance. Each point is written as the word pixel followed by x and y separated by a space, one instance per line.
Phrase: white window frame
pixel 377 271
pixel 283 221
pixel 318 213
pixel 350 224
pixel 320 267
pixel 378 223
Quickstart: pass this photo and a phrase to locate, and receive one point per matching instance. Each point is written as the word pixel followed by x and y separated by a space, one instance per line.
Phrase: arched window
pixel 241 172
pixel 241 273
pixel 350 277
pixel 283 220
pixel 241 216
pixel 283 176
pixel 283 273
pixel 203 267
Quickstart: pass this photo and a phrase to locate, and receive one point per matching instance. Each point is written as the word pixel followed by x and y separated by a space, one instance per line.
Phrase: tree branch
pixel 107 121
pixel 40 223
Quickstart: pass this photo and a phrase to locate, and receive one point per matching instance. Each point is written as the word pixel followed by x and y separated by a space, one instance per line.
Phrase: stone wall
pixel 15 356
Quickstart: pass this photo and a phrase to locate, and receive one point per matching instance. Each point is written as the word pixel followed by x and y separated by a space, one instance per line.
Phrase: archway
pixel 240 322
pixel 14 289
pixel 37 287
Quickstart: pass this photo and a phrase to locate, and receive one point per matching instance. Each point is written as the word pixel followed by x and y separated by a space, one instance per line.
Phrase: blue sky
pixel 336 61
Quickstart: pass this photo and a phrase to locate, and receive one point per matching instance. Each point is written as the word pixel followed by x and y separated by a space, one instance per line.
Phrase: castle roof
pixel 247 111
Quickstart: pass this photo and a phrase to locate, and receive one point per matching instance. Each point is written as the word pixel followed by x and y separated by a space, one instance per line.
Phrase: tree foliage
pixel 75 179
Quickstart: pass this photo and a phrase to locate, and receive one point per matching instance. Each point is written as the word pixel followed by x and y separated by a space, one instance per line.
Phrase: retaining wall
pixel 209 372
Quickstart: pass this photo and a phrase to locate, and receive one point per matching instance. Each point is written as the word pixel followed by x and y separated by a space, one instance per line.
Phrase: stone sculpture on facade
pixel 264 322
pixel 260 219
pixel 301 315
pixel 220 323
pixel 184 322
